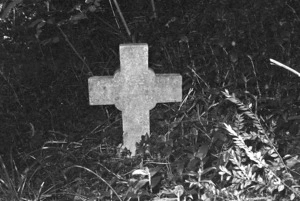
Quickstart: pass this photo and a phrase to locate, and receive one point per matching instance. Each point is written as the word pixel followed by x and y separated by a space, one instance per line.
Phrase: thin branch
pixel 122 18
pixel 254 72
pixel 153 9
pixel 114 14
pixel 76 52
pixel 11 86
pixel 99 177
pixel 274 62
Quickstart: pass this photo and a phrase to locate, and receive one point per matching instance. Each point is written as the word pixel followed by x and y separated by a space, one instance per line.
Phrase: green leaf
pixel 274 155
pixel 280 188
pixel 193 164
pixel 292 197
pixel 144 172
pixel 202 151
pixel 140 184
pixel 224 170
pixel 155 180
pixel 153 171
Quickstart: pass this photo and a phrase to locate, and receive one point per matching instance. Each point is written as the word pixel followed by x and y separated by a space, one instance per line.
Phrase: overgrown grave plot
pixel 190 153
pixel 186 155
pixel 228 44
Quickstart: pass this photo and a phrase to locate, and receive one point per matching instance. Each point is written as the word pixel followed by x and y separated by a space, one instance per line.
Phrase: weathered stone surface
pixel 135 89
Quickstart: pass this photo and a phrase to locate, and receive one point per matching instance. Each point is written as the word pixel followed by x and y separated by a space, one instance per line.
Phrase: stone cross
pixel 135 90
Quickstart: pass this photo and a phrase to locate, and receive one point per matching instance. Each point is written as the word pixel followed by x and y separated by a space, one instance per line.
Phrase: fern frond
pixel 239 122
pixel 238 140
pixel 261 133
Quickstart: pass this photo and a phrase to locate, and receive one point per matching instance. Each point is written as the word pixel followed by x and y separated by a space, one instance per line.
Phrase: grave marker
pixel 135 90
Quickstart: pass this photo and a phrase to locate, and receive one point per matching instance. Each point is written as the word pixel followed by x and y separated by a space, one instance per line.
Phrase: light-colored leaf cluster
pixel 249 170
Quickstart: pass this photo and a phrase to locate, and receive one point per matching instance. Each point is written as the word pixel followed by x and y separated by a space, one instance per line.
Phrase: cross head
pixel 135 90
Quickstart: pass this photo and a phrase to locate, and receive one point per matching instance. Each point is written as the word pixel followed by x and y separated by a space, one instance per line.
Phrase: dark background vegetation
pixel 49 49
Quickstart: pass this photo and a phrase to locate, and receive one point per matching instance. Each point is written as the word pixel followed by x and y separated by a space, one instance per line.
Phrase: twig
pixel 122 18
pixel 73 48
pixel 114 14
pixel 293 10
pixel 254 72
pixel 11 86
pixel 153 9
pixel 274 62
pixel 99 177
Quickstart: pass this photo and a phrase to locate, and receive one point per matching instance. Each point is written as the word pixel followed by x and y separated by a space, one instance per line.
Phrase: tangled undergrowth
pixel 235 135
pixel 238 159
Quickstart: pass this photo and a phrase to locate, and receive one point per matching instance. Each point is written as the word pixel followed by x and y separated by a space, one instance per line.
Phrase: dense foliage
pixel 234 136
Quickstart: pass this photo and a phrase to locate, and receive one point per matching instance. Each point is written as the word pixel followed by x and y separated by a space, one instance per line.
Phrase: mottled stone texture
pixel 135 89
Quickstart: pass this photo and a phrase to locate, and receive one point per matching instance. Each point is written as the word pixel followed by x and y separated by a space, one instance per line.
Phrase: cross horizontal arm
pixel 168 88
pixel 102 90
